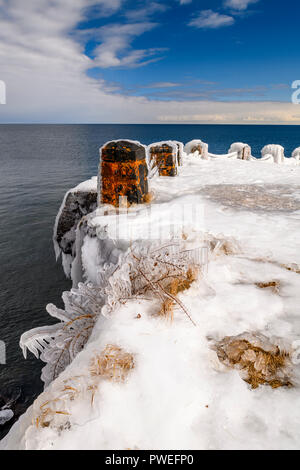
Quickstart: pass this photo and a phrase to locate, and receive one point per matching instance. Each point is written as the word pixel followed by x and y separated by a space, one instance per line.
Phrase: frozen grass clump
pixel 274 286
pixel 157 271
pixel 175 286
pixel 259 361
pixel 113 363
pixel 54 408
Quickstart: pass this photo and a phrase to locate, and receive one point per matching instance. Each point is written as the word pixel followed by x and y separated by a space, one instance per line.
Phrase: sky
pixel 136 61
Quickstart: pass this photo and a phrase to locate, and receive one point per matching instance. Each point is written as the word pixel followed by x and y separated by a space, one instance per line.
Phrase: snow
pixel 179 395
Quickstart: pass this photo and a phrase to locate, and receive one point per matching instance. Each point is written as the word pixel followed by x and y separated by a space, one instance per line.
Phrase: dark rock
pixel 77 205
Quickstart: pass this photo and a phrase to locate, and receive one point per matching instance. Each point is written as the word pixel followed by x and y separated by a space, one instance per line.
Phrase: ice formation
pixel 157 318
pixel 198 147
pixel 243 150
pixel 77 203
pixel 5 416
pixel 277 152
pixel 296 153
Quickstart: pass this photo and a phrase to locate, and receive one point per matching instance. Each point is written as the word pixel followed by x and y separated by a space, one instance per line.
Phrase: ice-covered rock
pixel 5 416
pixel 77 203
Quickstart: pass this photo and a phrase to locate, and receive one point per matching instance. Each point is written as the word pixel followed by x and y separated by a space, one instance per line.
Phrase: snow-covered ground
pixel 176 393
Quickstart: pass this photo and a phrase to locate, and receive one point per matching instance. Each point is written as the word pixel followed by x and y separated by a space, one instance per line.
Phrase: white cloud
pixel 163 85
pixel 239 4
pixel 185 2
pixel 147 11
pixel 212 20
pixel 114 50
pixel 45 71
pixel 235 112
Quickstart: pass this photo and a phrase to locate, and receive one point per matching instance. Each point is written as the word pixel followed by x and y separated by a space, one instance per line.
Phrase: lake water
pixel 38 164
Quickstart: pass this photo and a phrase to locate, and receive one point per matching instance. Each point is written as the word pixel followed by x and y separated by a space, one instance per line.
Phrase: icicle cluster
pixel 58 344
pixel 146 269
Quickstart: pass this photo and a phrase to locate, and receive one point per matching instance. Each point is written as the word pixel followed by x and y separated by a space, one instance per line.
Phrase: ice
pixel 296 153
pixel 277 152
pixel 5 416
pixel 244 150
pixel 193 144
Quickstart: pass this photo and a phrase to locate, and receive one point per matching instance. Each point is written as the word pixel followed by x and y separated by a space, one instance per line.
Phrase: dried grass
pixel 295 268
pixel 173 287
pixel 112 363
pixel 149 197
pixel 273 285
pixel 48 412
pixel 260 362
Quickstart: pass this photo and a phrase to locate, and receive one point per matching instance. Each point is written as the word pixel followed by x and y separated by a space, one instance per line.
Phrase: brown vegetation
pixel 261 362
pixel 112 363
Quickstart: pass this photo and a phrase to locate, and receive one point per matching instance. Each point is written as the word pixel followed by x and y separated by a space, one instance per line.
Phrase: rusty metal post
pixel 123 173
pixel 165 157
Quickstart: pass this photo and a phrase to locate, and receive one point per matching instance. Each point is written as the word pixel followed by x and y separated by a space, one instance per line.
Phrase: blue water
pixel 38 164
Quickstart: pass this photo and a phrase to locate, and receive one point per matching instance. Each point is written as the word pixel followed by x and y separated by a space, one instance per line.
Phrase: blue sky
pixel 149 61
pixel 238 52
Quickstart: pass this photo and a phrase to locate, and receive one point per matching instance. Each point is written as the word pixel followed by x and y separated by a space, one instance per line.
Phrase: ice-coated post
pixel 197 148
pixel 246 153
pixel 179 153
pixel 123 173
pixel 165 157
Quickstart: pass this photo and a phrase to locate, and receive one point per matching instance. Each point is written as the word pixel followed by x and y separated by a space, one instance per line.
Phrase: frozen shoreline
pixel 178 395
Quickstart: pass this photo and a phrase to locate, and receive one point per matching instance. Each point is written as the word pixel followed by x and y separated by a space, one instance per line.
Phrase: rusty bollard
pixel 123 173
pixel 165 158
